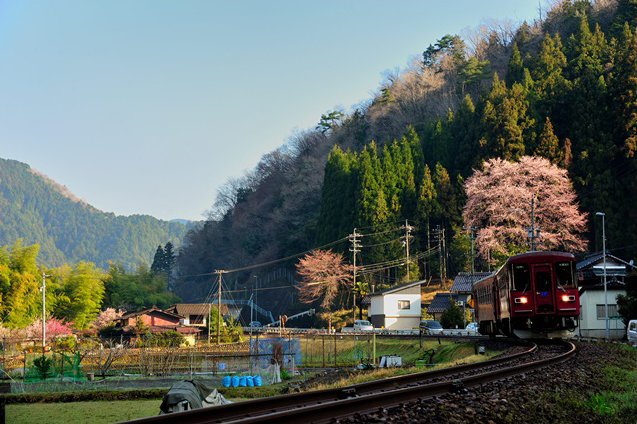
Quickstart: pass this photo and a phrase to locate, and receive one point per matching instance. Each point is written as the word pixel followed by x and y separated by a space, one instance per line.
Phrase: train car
pixel 533 294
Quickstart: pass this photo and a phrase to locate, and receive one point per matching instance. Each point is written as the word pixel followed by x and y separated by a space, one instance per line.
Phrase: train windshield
pixel 564 274
pixel 521 277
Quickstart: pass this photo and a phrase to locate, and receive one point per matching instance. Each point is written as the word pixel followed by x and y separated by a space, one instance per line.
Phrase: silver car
pixel 431 327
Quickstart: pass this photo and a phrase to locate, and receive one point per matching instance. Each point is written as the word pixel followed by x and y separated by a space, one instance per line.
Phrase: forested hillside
pixel 563 87
pixel 40 211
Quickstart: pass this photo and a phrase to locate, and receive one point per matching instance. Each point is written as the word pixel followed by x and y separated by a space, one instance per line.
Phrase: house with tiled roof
pixel 440 303
pixel 156 321
pixel 593 301
pixel 396 308
pixel 195 314
pixel 462 287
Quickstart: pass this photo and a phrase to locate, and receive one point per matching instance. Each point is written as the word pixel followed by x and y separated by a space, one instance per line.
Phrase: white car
pixel 631 331
pixel 363 325
pixel 472 327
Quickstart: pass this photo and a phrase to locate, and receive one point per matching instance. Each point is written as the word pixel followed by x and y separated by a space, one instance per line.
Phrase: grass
pixel 81 412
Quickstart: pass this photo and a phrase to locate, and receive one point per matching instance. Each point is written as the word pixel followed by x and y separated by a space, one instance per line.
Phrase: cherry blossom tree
pixel 106 318
pixel 323 274
pixel 499 206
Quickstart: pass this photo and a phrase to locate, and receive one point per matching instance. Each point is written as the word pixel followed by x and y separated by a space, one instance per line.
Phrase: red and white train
pixel 533 294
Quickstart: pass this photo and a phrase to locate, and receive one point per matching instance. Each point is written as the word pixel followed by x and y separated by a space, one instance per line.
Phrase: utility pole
pixel 603 215
pixel 219 272
pixel 43 290
pixel 532 232
pixel 353 238
pixel 408 229
pixel 438 235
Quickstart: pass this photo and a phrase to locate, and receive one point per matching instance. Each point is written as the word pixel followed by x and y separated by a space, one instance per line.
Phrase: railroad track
pixel 326 405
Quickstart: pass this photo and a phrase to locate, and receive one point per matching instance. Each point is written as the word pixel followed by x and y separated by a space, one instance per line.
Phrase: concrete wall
pixel 395 318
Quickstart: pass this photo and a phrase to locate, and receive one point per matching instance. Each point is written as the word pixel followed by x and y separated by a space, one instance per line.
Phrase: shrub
pixel 43 365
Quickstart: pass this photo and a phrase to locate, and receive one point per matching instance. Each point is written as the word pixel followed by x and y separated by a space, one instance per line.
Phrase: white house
pixel 593 302
pixel 396 308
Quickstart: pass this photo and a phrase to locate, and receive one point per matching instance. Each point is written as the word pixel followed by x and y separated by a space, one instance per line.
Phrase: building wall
pixel 155 318
pixel 395 318
pixel 589 325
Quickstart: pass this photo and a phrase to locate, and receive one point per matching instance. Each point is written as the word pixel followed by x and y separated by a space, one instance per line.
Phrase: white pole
pixel 43 311
pixel 603 215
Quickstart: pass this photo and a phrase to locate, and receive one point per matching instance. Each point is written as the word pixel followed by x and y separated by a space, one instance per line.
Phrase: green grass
pixel 81 412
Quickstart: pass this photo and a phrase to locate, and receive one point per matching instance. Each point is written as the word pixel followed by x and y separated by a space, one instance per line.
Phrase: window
pixel 403 304
pixel 564 273
pixel 601 311
pixel 542 281
pixel 521 277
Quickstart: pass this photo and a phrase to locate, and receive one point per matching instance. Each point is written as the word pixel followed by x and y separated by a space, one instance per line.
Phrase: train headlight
pixel 568 298
pixel 522 299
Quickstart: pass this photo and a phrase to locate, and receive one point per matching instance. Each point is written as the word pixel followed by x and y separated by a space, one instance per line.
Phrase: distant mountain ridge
pixel 41 211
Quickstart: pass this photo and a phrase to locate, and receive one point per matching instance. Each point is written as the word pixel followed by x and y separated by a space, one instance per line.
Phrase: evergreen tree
pixel 548 144
pixel 159 261
pixel 515 71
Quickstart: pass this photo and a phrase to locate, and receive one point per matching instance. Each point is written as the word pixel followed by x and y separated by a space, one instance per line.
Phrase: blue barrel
pixel 250 381
pixel 226 381
pixel 242 381
pixel 235 381
pixel 258 381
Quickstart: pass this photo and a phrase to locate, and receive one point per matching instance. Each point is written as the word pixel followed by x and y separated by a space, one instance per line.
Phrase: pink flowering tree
pixel 54 328
pixel 106 318
pixel 499 206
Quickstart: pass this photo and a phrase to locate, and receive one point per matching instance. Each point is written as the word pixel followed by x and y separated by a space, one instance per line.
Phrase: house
pixel 396 308
pixel 157 321
pixel 195 314
pixel 440 303
pixel 463 285
pixel 590 276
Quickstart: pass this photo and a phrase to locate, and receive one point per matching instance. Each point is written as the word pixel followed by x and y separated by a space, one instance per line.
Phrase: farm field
pixel 100 412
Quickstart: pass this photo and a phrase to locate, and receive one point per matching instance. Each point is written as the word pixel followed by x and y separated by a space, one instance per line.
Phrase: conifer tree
pixel 159 261
pixel 548 144
pixel 515 71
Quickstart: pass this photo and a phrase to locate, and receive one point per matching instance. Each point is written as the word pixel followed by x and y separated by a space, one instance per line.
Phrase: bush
pixel 43 365
pixel 452 316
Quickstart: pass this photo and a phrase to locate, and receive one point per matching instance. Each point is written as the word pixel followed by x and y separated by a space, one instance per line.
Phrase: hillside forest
pixel 562 88
pixel 40 211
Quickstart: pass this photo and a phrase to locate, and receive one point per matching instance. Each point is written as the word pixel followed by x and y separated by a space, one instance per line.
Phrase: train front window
pixel 564 274
pixel 542 281
pixel 521 277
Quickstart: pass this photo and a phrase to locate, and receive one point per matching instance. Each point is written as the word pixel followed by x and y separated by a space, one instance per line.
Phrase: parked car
pixel 472 327
pixel 363 325
pixel 631 331
pixel 431 327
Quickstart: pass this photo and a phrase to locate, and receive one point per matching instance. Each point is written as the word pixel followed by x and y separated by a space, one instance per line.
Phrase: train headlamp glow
pixel 568 298
pixel 522 299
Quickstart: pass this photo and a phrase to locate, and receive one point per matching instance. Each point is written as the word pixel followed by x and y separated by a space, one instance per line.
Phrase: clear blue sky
pixel 149 106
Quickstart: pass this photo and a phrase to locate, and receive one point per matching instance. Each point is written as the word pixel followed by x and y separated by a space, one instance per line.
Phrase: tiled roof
pixel 591 259
pixel 464 280
pixel 440 302
pixel 187 309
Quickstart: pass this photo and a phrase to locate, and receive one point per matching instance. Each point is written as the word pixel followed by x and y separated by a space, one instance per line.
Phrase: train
pixel 533 294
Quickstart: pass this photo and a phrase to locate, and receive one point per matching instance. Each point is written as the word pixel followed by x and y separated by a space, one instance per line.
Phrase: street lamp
pixel 603 215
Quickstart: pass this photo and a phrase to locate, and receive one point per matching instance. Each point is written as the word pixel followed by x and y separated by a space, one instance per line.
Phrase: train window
pixel 564 274
pixel 542 281
pixel 521 277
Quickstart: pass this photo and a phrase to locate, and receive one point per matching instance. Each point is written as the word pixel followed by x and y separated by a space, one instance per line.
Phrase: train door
pixel 543 284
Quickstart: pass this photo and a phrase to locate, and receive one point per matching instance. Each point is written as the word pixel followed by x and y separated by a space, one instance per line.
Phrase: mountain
pixel 563 87
pixel 40 211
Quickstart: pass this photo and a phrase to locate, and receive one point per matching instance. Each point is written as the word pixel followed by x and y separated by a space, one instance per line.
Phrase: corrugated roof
pixel 397 288
pixel 147 311
pixel 464 281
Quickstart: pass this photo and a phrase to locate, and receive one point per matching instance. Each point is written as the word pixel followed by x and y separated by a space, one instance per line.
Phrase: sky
pixel 150 106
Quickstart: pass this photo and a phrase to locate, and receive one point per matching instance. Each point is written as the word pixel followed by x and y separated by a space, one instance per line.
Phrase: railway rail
pixel 326 405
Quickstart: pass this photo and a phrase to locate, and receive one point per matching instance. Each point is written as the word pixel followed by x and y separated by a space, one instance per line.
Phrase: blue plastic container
pixel 242 381
pixel 226 381
pixel 258 381
pixel 250 381
pixel 235 381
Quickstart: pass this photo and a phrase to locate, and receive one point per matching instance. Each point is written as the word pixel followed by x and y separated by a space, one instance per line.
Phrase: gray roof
pixel 464 281
pixel 398 288
pixel 595 257
pixel 440 302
